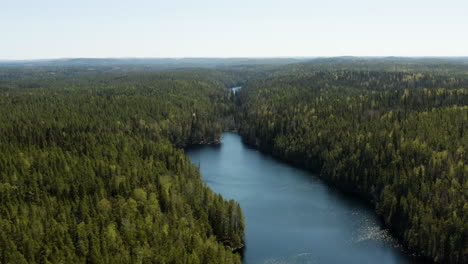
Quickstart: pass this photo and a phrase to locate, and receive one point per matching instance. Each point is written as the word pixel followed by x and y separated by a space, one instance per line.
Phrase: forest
pixel 397 139
pixel 92 166
pixel 92 171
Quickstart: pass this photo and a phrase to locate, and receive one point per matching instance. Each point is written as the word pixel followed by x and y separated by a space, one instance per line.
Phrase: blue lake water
pixel 291 215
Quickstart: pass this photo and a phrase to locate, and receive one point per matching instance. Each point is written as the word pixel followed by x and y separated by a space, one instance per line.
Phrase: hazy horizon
pixel 54 29
pixel 234 58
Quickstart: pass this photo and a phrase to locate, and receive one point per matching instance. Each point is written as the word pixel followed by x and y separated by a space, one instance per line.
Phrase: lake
pixel 291 215
pixel 235 89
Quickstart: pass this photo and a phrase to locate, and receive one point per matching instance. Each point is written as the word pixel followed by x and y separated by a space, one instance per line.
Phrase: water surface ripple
pixel 291 215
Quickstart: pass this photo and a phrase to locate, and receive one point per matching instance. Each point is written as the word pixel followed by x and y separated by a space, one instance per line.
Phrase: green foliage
pixel 396 138
pixel 91 171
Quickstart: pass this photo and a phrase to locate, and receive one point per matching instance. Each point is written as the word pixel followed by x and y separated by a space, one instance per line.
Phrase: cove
pixel 291 215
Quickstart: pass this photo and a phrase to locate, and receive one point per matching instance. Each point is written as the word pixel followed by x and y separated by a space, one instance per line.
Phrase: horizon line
pixel 237 57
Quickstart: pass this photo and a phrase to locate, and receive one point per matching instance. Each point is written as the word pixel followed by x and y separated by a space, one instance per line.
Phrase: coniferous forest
pixel 92 171
pixel 396 138
pixel 92 166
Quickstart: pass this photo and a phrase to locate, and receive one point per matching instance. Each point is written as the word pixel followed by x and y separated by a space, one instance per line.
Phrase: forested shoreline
pixel 396 138
pixel 92 171
pixel 92 167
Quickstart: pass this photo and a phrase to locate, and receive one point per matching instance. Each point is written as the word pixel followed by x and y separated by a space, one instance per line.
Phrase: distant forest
pixel 92 167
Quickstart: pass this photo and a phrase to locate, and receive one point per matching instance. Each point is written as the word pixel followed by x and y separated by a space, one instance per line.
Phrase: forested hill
pixel 12 70
pixel 434 65
pixel 91 170
pixel 396 138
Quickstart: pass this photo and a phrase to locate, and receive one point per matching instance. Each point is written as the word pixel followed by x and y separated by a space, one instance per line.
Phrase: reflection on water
pixel 235 89
pixel 291 215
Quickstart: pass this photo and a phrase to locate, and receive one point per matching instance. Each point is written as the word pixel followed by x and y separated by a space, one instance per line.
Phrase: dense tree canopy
pixel 92 168
pixel 396 138
pixel 91 171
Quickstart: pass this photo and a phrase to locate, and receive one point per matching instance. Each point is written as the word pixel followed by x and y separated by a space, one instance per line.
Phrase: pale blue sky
pixel 33 29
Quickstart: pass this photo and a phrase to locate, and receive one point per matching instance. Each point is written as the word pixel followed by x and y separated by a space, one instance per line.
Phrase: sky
pixel 33 29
